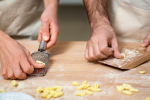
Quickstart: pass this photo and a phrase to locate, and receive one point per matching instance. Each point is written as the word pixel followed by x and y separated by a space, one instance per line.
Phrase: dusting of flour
pixel 130 56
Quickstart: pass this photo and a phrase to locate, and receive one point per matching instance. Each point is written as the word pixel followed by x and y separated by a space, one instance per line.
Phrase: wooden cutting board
pixel 67 64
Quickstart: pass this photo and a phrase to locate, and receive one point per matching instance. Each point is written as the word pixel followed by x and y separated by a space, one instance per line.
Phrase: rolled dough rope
pixel 14 83
pixel 142 72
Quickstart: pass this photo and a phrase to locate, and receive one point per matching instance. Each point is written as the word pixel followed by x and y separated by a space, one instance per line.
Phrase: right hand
pixel 102 43
pixel 16 61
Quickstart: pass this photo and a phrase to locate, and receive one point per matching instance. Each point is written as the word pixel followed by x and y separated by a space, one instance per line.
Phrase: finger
pixel 146 40
pixel 40 34
pixel 148 49
pixel 18 72
pixel 54 32
pixel 115 47
pixel 104 49
pixel 45 29
pixel 10 73
pixel 4 73
pixel 32 61
pixel 86 54
pixel 26 67
pixel 91 55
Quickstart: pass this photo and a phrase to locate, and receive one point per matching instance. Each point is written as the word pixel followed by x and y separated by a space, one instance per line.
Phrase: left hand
pixel 146 42
pixel 49 29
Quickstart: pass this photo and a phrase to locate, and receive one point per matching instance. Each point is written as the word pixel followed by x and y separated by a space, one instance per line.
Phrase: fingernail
pixel 143 44
pixel 45 37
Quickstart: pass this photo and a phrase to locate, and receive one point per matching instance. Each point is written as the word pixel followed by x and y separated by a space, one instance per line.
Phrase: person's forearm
pixel 48 2
pixel 96 10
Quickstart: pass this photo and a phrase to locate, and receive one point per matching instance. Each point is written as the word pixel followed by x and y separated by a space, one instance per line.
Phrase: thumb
pixel 146 40
pixel 116 49
pixel 45 26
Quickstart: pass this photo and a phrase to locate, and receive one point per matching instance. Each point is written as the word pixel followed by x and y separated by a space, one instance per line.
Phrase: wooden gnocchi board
pixel 67 64
pixel 133 58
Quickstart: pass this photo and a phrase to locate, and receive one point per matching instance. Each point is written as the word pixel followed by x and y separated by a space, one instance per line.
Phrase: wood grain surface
pixel 67 64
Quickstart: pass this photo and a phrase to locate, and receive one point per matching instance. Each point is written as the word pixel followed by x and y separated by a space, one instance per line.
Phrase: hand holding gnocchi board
pixel 133 58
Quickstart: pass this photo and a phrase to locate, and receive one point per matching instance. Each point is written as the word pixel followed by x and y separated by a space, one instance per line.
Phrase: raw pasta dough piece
pixel 14 83
pixel 127 92
pixel 2 91
pixel 127 86
pixel 94 89
pixel 59 89
pixel 96 85
pixel 88 92
pixel 51 94
pixel 80 93
pixel 40 62
pixel 75 83
pixel 120 88
pixel 124 56
pixel 40 89
pixel 84 82
pixel 148 98
pixel 134 90
pixel 142 72
pixel 58 94
pixel 45 94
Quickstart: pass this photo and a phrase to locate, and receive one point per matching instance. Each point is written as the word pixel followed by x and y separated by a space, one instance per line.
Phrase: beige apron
pixel 131 24
pixel 21 18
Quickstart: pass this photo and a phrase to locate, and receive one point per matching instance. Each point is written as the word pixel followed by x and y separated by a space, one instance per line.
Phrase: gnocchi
pixel 120 88
pixel 14 83
pixel 50 92
pixel 75 83
pixel 80 93
pixel 134 90
pixel 127 92
pixel 88 92
pixel 142 72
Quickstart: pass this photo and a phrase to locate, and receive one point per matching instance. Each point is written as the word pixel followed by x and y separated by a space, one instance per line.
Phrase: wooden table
pixel 67 64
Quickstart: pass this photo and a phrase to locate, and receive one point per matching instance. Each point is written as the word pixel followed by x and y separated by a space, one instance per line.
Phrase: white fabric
pixel 21 17
pixel 130 19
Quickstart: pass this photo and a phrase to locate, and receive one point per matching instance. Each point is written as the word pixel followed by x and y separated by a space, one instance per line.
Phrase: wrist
pixel 100 22
pixel 53 3
pixel 3 36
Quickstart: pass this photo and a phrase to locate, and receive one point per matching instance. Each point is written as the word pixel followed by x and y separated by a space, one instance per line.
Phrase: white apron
pixel 21 18
pixel 129 18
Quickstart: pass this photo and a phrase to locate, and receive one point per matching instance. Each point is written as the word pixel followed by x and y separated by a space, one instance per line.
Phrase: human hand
pixel 102 43
pixel 16 60
pixel 49 29
pixel 146 42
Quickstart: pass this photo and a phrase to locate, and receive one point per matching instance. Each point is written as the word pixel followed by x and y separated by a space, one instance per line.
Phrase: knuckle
pixel 18 74
pixel 44 20
pixel 27 69
pixel 10 75
pixel 28 53
pixel 102 49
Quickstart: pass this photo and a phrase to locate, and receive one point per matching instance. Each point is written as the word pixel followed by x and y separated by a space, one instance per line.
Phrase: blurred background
pixel 73 21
